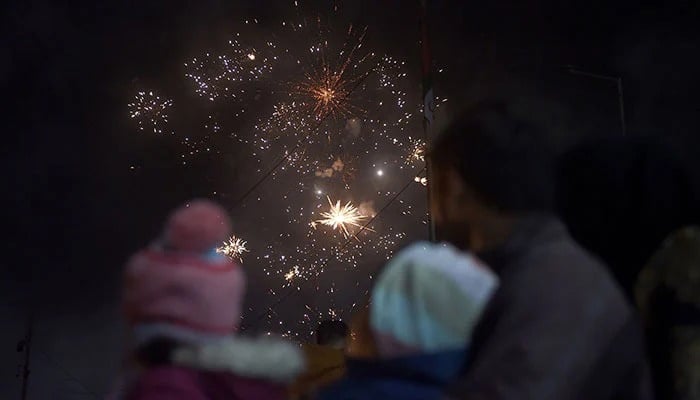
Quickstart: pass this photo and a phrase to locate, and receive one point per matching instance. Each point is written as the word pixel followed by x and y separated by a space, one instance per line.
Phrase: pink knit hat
pixel 197 226
pixel 183 282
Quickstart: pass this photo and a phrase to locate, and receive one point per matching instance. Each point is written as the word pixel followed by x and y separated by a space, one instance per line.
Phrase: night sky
pixel 76 211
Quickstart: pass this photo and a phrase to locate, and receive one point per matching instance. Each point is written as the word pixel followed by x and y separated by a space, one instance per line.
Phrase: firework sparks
pixel 326 115
pixel 328 88
pixel 329 93
pixel 222 75
pixel 421 179
pixel 233 248
pixel 417 152
pixel 340 217
pixel 150 111
pixel 291 274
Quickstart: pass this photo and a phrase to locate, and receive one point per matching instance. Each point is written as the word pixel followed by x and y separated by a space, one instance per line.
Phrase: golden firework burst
pixel 341 216
pixel 233 248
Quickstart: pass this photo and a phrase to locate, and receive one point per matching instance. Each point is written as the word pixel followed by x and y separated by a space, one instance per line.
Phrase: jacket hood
pixel 265 358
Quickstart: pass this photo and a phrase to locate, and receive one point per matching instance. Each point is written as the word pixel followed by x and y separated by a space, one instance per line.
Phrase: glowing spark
pixel 294 272
pixel 380 172
pixel 233 248
pixel 251 56
pixel 422 180
pixel 340 217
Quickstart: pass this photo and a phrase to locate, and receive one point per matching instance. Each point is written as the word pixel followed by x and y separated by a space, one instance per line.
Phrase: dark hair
pixel 502 158
pixel 329 332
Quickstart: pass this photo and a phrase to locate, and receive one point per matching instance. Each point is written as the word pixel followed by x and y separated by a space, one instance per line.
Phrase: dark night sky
pixel 74 213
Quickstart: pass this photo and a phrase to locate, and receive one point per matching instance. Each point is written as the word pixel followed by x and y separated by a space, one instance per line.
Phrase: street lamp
pixel 620 96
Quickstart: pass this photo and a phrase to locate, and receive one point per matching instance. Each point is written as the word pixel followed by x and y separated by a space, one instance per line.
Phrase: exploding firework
pixel 341 217
pixel 233 248
pixel 150 111
pixel 416 152
pixel 328 88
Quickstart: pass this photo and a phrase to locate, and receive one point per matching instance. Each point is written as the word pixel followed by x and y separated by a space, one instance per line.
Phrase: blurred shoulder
pixel 556 272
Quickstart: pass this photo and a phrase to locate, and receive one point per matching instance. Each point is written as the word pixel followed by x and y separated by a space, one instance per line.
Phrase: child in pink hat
pixel 182 301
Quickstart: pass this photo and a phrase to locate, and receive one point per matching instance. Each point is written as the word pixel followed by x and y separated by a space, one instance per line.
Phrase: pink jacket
pixel 178 383
pixel 234 369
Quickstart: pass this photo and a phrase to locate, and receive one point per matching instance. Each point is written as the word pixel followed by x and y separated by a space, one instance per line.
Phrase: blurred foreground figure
pixel 325 360
pixel 668 294
pixel 414 338
pixel 621 197
pixel 558 327
pixel 182 301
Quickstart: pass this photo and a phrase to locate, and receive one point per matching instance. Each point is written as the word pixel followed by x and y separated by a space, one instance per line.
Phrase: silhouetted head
pixel 489 166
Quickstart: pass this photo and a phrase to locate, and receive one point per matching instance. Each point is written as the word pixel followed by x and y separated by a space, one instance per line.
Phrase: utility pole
pixel 25 346
pixel 620 94
pixel 428 109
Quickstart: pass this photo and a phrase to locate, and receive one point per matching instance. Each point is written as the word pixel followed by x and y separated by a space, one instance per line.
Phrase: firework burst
pixel 233 248
pixel 327 89
pixel 416 152
pixel 341 217
pixel 150 111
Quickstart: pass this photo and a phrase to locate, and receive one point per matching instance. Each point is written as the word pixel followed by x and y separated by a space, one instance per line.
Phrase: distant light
pixel 251 56
pixel 380 172
pixel 319 192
